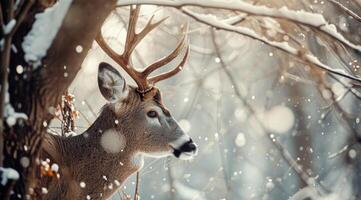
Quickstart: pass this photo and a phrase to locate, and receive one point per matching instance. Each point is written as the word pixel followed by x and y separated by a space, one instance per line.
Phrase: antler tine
pixel 134 38
pixel 118 58
pixel 165 60
pixel 173 72
pixel 131 35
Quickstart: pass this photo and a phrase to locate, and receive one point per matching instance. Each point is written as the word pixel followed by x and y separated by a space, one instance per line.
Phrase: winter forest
pixel 180 99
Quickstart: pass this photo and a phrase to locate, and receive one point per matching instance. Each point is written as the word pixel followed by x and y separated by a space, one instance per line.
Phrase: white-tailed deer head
pixel 145 123
pixel 157 131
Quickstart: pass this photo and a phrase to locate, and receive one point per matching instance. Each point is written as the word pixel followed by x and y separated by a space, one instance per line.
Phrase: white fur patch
pixel 176 144
pixel 158 154
pixel 187 155
pixel 112 141
pixel 155 121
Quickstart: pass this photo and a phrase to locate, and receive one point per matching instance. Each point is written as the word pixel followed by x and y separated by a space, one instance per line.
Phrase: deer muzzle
pixel 186 151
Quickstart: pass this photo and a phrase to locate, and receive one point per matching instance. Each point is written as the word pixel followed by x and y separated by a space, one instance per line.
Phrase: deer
pixel 134 123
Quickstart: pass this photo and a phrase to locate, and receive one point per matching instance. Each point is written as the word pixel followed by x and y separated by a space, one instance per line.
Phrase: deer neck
pixel 89 162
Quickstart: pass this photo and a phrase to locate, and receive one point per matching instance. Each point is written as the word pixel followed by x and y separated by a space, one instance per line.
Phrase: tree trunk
pixel 36 92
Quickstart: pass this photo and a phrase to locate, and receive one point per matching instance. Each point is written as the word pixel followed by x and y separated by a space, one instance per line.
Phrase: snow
pixel 44 190
pixel 55 167
pixel 212 20
pixel 10 114
pixel 9 26
pixel 352 153
pixel 240 140
pixel 298 16
pixel 279 119
pixel 311 193
pixel 273 27
pixel 8 174
pixel 332 30
pixel 46 26
pixel 112 141
pixel 284 46
pixel 82 184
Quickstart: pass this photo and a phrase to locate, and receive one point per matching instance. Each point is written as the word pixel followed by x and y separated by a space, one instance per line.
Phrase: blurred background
pixel 268 125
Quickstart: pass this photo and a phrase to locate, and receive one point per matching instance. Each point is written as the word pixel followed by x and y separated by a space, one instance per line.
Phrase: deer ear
pixel 111 84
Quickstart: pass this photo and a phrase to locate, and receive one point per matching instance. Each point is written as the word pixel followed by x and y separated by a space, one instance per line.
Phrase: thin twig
pixel 136 192
pixel 347 10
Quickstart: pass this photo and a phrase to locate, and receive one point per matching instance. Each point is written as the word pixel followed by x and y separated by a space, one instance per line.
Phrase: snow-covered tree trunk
pixel 35 90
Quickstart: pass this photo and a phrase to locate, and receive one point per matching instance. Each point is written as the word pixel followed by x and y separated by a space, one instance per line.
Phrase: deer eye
pixel 152 114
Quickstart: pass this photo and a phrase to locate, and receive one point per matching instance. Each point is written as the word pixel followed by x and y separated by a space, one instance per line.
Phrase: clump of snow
pixel 117 183
pixel 270 185
pixel 352 153
pixel 112 141
pixel 8 174
pixel 79 49
pixel 332 30
pixel 46 26
pixel 82 184
pixel 11 116
pixel 240 140
pixel 44 190
pixel 55 167
pixel 279 119
pixel 9 26
pixel 19 69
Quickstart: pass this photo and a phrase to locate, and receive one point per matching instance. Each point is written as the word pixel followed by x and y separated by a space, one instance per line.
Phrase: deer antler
pixel 132 40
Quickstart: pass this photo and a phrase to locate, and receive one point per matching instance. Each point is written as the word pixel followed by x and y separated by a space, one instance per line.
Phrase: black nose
pixel 188 147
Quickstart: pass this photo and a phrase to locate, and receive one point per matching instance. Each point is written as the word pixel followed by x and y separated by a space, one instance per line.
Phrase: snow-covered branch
pixel 312 20
pixel 283 46
pixel 38 40
pixel 8 174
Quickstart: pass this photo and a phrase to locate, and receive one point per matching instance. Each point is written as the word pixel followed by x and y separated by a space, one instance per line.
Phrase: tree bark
pixel 35 92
